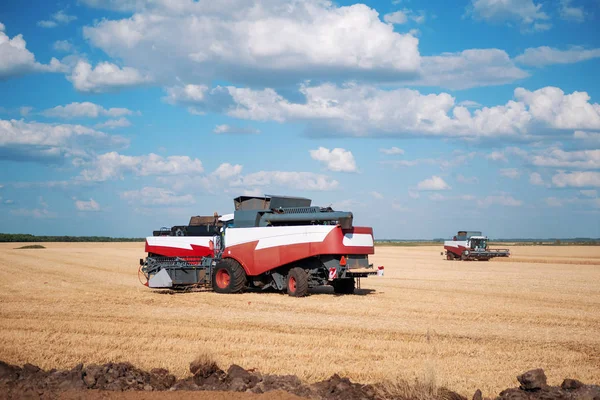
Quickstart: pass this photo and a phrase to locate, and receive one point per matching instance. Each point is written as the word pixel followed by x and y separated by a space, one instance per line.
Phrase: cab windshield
pixel 478 244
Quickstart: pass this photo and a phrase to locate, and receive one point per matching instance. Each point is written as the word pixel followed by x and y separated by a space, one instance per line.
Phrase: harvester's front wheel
pixel 228 277
pixel 297 282
pixel 344 286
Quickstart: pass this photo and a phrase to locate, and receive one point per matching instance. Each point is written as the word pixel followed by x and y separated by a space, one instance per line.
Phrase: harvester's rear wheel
pixel 297 282
pixel 344 286
pixel 449 256
pixel 228 277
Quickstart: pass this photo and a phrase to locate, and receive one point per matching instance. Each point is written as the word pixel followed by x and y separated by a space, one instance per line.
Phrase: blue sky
pixel 118 117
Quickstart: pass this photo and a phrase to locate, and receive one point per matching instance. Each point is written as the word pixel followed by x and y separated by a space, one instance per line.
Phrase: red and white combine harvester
pixel 471 245
pixel 271 242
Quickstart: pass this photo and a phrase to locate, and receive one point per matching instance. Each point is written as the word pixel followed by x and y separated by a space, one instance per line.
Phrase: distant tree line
pixel 557 242
pixel 22 237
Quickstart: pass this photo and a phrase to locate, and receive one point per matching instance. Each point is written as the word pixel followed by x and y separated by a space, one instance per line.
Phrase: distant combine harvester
pixel 471 246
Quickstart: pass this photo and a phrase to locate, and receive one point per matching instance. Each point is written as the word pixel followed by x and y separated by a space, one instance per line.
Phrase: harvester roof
pixel 469 233
pixel 269 202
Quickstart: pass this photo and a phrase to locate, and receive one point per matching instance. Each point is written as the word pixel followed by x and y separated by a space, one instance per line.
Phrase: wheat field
pixel 465 325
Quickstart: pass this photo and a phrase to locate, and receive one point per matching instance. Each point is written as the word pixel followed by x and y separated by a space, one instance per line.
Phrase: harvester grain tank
pixel 271 242
pixel 471 245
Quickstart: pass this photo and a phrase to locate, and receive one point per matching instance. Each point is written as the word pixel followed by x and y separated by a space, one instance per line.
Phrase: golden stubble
pixel 464 325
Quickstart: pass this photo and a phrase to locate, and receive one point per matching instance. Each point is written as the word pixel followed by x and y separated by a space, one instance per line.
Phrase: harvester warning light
pixel 343 261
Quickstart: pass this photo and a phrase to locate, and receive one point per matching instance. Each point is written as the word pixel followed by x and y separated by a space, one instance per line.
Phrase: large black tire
pixel 228 277
pixel 297 282
pixel 344 286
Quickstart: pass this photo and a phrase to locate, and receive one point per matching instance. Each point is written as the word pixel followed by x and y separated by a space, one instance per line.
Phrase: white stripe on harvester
pixel 358 239
pixel 455 243
pixel 179 242
pixel 274 236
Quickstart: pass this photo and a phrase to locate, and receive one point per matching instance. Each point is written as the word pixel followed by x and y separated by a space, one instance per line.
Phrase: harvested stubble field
pixel 465 325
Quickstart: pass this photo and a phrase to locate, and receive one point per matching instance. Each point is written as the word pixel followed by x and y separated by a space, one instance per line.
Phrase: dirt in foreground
pixel 124 381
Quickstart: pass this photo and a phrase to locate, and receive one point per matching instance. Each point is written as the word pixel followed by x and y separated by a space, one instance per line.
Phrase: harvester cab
pixel 471 245
pixel 478 243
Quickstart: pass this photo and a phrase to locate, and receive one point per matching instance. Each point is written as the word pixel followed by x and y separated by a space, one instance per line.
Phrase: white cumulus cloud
pixel 63 45
pixel 588 138
pixel 392 151
pixel 245 42
pixel 105 76
pixel 114 123
pixel 402 16
pixel 469 68
pixel 512 173
pixel 154 196
pixel 234 130
pixel 433 183
pixel 577 179
pixel 338 159
pixel 56 19
pixel 289 179
pixel 364 110
pixel 114 5
pixel 497 156
pixel 526 13
pixel 544 55
pixel 551 106
pixel 24 111
pixel 470 104
pixel 396 18
pixel 21 140
pixel 90 205
pixel 227 171
pixel 536 179
pixel 85 110
pixel 186 94
pixel 589 193
pixel 571 13
pixel 586 159
pixel 114 165
pixel 16 60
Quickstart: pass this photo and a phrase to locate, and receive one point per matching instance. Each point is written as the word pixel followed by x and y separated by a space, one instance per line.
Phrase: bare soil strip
pixel 100 381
